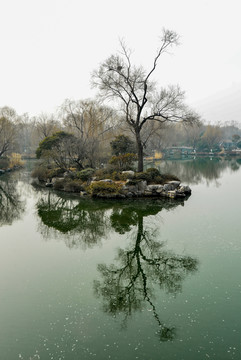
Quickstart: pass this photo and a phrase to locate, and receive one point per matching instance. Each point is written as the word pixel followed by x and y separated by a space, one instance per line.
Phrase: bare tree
pixel 25 135
pixel 192 135
pixel 119 79
pixel 212 135
pixel 7 135
pixel 46 125
pixel 8 112
pixel 91 123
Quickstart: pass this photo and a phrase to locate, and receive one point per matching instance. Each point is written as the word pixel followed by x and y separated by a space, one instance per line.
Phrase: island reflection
pixel 80 224
pixel 130 282
pixel 84 222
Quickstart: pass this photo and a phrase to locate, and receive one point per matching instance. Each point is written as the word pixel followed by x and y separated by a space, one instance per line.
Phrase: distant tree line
pixel 202 137
pixel 87 133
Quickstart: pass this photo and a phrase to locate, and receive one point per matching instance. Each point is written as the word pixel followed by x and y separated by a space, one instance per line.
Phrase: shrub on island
pixel 104 189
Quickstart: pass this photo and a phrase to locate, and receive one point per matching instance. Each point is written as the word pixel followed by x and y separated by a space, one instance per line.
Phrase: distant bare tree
pixel 7 129
pixel 8 112
pixel 7 135
pixel 212 135
pixel 25 135
pixel 119 79
pixel 46 125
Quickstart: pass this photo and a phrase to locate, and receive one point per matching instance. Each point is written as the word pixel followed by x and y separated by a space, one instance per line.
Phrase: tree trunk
pixel 139 151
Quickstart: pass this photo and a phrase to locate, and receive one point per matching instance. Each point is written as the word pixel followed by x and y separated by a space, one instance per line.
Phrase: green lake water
pixel 138 279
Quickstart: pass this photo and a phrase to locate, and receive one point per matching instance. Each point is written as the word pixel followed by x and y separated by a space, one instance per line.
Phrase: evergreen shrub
pixel 103 188
pixel 86 174
pixel 153 172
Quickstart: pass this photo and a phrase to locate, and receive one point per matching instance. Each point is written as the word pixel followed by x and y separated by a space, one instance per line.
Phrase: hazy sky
pixel 50 47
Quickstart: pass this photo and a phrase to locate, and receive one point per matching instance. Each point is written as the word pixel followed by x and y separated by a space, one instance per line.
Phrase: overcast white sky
pixel 50 47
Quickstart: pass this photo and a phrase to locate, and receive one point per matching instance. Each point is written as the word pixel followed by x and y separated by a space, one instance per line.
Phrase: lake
pixel 139 279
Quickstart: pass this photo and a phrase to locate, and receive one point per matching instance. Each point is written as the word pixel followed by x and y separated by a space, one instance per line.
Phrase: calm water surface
pixel 143 279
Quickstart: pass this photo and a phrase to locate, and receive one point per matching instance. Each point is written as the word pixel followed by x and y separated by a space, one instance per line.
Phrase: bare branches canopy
pixel 137 95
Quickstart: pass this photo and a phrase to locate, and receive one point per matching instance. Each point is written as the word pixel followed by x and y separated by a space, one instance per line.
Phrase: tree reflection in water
pixel 128 285
pixel 79 223
pixel 11 205
pixel 199 170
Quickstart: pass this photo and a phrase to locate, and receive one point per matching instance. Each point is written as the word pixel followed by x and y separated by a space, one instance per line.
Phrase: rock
pixel 2 172
pixel 174 184
pixel 160 189
pixel 167 187
pixel 104 181
pixel 83 193
pixel 133 188
pixel 152 187
pixel 157 188
pixel 130 173
pixel 130 188
pixel 185 189
pixel 148 193
pixel 49 184
pixel 139 188
pixel 142 186
pixel 171 194
pixel 109 181
pixel 171 185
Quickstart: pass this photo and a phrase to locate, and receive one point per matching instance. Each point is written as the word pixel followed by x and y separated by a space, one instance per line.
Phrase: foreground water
pixel 146 279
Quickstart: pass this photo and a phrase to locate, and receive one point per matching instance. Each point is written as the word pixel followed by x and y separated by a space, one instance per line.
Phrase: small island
pixel 61 167
pixel 116 180
pixel 125 184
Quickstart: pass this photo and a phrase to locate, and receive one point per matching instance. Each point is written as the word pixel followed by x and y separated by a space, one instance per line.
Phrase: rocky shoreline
pixel 129 189
pixel 2 171
pixel 110 189
pixel 123 185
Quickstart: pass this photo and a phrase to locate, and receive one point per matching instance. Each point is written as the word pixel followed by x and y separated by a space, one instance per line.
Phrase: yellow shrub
pixel 15 160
